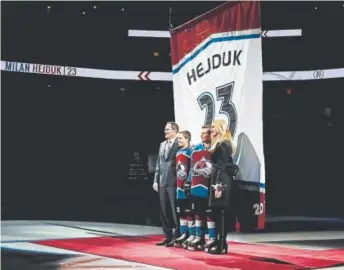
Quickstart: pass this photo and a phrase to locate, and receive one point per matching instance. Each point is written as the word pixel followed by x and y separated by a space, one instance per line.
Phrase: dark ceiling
pixel 95 34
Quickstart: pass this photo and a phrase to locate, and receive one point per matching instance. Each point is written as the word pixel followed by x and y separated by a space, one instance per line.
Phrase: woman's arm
pixel 223 154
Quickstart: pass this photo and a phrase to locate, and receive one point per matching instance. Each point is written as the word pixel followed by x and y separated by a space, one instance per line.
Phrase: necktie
pixel 167 149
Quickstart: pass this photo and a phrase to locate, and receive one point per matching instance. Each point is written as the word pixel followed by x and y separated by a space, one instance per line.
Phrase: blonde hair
pixel 222 133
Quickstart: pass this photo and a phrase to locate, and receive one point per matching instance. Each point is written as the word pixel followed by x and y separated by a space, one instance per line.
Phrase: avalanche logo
pixel 181 171
pixel 202 168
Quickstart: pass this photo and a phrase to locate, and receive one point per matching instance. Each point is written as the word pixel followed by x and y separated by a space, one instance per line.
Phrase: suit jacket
pixel 165 171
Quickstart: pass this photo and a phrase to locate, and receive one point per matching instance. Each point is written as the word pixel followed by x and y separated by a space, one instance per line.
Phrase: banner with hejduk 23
pixel 217 73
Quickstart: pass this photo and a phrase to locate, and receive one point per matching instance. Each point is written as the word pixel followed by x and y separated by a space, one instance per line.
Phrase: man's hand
pixel 155 187
pixel 187 188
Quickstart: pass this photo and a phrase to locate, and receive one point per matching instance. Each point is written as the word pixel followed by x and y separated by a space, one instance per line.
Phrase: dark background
pixel 66 142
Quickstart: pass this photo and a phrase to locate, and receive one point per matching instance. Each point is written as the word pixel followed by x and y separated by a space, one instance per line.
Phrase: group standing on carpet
pixel 195 185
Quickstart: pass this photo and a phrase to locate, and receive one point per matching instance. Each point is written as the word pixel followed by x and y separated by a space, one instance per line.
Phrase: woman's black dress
pixel 223 173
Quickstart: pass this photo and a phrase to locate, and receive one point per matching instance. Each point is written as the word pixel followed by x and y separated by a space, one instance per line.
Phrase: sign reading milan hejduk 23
pixel 217 73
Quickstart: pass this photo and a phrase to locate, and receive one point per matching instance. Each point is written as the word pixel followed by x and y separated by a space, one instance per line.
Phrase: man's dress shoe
pixel 163 243
pixel 170 243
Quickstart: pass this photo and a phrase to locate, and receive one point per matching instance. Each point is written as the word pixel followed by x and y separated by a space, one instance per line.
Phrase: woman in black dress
pixel 222 177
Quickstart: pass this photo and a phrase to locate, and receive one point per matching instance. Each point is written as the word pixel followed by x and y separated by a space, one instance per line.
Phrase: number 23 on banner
pixel 224 94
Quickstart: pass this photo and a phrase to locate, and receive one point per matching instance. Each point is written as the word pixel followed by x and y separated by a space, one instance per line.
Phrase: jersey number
pixel 224 93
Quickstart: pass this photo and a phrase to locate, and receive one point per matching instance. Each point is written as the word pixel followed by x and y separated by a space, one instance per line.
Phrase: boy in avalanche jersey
pixel 183 160
pixel 200 181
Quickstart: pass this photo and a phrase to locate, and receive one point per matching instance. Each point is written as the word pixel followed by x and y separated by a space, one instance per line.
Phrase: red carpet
pixel 241 256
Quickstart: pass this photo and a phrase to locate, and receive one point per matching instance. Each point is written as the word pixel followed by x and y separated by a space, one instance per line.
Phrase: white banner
pixel 166 34
pixel 221 77
pixel 47 69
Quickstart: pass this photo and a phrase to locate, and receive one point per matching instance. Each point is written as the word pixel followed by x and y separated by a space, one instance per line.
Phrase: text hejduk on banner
pixel 212 63
pixel 219 75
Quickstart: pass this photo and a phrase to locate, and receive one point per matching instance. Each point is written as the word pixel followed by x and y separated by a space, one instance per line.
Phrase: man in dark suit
pixel 165 183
